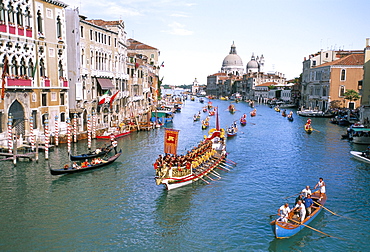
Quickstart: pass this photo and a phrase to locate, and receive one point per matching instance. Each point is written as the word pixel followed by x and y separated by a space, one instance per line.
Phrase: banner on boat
pixel 170 141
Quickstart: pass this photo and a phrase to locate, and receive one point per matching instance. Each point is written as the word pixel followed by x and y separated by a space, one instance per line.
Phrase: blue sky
pixel 195 36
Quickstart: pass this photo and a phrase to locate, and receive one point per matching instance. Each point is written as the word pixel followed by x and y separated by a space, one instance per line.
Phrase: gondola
pixel 70 169
pixel 92 154
pixel 283 229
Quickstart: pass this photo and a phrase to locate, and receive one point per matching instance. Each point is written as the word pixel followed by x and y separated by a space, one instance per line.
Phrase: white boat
pixel 360 156
pixel 314 113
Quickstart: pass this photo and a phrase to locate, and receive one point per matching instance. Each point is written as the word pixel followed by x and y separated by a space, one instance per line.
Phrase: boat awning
pixel 360 129
pixel 105 83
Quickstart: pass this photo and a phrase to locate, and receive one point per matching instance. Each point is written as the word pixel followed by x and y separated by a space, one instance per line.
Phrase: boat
pixel 232 130
pixel 290 116
pixel 116 132
pixel 277 109
pixel 359 135
pixel 283 229
pixel 243 121
pixel 201 100
pixel 253 112
pixel 196 117
pixel 314 113
pixel 92 154
pixel 231 108
pixel 162 116
pixel 70 169
pixel 205 123
pixel 207 156
pixel 284 113
pixel 308 128
pixel 362 156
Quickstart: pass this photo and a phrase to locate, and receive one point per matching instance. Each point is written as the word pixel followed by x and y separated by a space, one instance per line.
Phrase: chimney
pixel 367 42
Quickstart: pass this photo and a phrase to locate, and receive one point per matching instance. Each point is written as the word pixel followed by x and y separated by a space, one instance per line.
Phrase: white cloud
pixel 179 15
pixel 178 29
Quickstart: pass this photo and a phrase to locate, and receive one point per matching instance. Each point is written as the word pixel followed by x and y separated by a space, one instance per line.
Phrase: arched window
pixel 39 22
pixel 60 68
pixel 342 90
pixel 2 12
pixel 59 28
pixel 19 16
pixel 30 68
pixel 10 13
pixel 28 17
pixel 42 68
pixel 23 68
pixel 14 67
pixel 343 75
pixel 82 56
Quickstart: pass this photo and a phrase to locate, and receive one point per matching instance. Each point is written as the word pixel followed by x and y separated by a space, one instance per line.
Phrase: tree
pixel 351 95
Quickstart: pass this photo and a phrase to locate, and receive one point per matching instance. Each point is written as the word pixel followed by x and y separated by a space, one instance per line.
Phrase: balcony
pixel 29 32
pixel 19 83
pixel 2 27
pixel 63 83
pixel 45 83
pixel 20 31
pixel 11 29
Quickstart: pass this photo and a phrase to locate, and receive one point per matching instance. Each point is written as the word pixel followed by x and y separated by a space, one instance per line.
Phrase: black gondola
pixel 70 169
pixel 91 154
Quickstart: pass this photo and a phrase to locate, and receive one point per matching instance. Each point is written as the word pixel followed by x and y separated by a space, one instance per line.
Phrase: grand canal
pixel 119 208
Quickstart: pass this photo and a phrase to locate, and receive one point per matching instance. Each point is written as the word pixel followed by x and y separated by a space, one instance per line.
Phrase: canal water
pixel 120 208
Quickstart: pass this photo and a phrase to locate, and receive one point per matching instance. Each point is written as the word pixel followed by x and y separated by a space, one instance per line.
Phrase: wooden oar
pixel 316 130
pixel 292 195
pixel 331 211
pixel 231 161
pixel 315 229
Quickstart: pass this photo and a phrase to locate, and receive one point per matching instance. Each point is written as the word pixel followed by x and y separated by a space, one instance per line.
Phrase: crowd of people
pixel 303 204
pixel 193 158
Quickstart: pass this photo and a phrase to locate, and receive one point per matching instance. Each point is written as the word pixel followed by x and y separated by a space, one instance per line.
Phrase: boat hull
pixel 115 135
pixel 88 155
pixel 359 156
pixel 284 230
pixel 70 170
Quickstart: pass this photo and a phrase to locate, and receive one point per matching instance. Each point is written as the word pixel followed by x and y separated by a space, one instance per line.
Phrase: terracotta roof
pixel 266 84
pixel 349 60
pixel 136 45
pixel 218 74
pixel 101 22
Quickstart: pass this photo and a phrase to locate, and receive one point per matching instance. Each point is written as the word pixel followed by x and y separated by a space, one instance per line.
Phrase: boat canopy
pixel 360 129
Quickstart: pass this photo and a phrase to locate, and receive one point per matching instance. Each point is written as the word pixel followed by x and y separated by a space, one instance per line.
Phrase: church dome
pixel 232 63
pixel 232 60
pixel 252 64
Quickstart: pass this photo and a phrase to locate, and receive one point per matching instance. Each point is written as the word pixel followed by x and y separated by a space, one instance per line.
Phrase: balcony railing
pixel 19 82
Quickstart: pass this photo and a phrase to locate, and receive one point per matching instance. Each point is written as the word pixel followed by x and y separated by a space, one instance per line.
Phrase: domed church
pixel 255 65
pixel 232 63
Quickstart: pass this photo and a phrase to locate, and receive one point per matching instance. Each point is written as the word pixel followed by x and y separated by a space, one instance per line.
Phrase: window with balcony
pixel 59 28
pixel 19 16
pixel 42 68
pixel 10 13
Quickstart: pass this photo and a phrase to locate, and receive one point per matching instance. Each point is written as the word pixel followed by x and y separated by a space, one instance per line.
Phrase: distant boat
pixel 362 156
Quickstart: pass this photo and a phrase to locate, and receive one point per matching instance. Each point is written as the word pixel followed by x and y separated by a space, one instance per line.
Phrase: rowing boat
pixel 92 154
pixel 283 229
pixel 117 134
pixel 70 169
pixel 308 128
pixel 210 154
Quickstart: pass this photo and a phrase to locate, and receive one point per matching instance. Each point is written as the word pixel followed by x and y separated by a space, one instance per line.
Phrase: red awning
pixel 105 84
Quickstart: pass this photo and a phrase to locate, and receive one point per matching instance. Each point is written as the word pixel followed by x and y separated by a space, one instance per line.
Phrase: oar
pixel 315 229
pixel 231 161
pixel 222 168
pixel 316 130
pixel 331 211
pixel 292 195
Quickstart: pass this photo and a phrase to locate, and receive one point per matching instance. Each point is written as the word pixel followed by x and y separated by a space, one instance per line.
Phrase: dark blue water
pixel 119 208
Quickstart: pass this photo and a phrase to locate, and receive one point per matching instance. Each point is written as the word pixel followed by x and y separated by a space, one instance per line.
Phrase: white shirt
pixel 303 208
pixel 284 210
pixel 305 192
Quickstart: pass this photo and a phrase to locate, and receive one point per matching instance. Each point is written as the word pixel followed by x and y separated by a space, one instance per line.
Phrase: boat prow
pixel 361 156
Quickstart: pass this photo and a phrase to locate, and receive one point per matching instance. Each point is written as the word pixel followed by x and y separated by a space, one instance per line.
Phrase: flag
pixel 5 66
pixel 170 141
pixel 104 98
pixel 112 98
